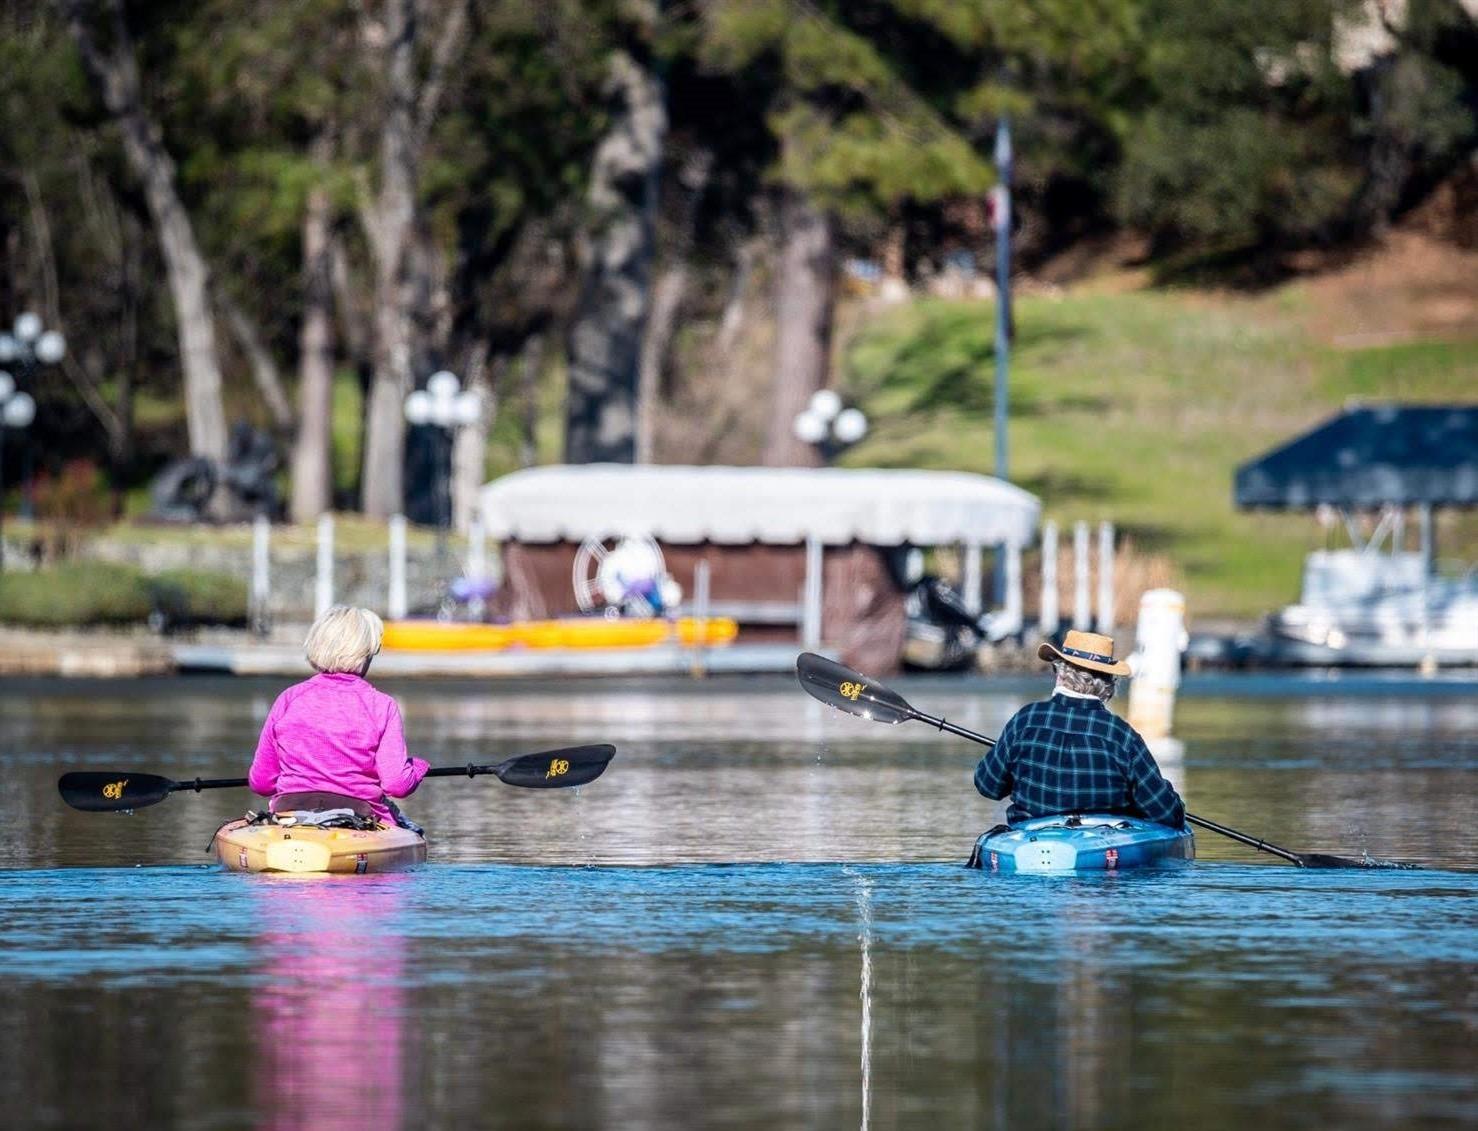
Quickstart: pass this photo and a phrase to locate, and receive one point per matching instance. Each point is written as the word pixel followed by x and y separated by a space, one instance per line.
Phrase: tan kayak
pixel 244 847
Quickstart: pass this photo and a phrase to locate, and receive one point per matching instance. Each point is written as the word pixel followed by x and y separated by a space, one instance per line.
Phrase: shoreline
pixel 125 653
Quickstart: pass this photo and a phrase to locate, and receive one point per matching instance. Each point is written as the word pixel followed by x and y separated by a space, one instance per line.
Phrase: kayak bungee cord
pixel 839 686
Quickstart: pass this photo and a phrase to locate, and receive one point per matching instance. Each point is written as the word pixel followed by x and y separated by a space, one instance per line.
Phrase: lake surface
pixel 757 916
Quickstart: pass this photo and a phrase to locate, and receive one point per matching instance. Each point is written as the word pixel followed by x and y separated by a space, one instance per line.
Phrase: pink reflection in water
pixel 330 1023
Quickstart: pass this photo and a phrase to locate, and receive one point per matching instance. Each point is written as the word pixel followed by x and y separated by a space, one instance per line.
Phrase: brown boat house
pixel 798 556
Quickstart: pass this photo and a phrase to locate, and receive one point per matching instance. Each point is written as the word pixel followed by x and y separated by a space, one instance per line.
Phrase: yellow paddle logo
pixel 114 789
pixel 557 768
pixel 852 690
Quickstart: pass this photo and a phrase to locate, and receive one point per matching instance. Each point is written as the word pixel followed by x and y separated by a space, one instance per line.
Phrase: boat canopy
pixel 770 505
pixel 1371 457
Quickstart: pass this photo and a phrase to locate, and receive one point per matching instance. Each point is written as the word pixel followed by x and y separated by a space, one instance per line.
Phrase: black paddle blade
pixel 112 792
pixel 556 769
pixel 840 687
pixel 1319 860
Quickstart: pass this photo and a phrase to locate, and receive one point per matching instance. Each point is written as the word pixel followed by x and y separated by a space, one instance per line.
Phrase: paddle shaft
pixel 1243 838
pixel 950 728
pixel 197 784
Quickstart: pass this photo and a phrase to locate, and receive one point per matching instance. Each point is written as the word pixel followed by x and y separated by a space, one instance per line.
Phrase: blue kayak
pixel 1082 842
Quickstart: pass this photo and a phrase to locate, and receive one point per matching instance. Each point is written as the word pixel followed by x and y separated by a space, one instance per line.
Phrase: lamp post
pixel 1001 217
pixel 446 406
pixel 25 349
pixel 17 410
pixel 830 427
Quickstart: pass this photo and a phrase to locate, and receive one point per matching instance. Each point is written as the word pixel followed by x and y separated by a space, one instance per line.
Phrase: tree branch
pixel 259 358
pixel 447 44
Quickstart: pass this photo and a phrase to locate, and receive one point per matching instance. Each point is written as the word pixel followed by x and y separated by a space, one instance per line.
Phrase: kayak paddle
pixel 839 686
pixel 102 791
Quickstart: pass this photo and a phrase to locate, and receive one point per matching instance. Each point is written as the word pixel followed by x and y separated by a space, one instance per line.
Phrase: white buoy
pixel 1159 642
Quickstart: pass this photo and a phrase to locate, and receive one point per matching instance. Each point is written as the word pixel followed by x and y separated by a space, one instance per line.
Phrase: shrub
pixel 189 596
pixel 82 593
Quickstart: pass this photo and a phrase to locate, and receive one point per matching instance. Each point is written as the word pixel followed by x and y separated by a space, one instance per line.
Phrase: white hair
pixel 1083 681
pixel 344 639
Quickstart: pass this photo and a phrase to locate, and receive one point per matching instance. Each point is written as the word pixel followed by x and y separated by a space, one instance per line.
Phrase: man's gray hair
pixel 1083 681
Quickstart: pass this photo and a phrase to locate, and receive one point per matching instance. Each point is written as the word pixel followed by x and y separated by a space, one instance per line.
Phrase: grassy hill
pixel 1136 405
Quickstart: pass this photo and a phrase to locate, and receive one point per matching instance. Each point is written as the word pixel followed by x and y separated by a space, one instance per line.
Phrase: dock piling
pixel 1082 613
pixel 1106 578
pixel 1049 617
pixel 395 601
pixel 323 593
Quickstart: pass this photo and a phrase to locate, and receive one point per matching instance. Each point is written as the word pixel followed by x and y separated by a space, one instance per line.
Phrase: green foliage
pixel 190 596
pixel 80 594
pixel 1233 180
pixel 89 594
pixel 853 130
pixel 1217 127
pixel 1408 371
pixel 1246 132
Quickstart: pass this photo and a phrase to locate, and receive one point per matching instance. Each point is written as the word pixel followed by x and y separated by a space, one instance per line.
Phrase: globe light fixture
pixel 810 428
pixel 825 404
pixel 825 423
pixel 28 327
pixel 18 411
pixel 51 347
pixel 850 425
pixel 418 407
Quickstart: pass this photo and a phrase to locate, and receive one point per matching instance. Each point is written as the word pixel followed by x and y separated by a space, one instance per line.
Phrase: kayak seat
pixel 320 800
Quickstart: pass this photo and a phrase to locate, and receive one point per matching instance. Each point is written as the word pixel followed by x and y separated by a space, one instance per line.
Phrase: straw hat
pixel 1086 650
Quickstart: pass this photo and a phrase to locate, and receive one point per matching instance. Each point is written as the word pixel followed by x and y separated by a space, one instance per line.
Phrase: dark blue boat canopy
pixel 1367 458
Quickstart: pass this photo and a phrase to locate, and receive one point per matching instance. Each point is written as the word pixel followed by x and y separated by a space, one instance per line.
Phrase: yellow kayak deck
pixel 244 847
pixel 572 632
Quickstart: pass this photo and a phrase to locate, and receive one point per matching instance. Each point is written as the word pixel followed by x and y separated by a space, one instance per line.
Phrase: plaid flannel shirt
pixel 1067 755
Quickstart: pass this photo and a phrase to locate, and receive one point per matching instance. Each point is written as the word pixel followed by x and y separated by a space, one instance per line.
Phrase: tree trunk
pixel 604 345
pixel 667 301
pixel 805 295
pixel 389 229
pixel 115 74
pixel 530 365
pixel 312 486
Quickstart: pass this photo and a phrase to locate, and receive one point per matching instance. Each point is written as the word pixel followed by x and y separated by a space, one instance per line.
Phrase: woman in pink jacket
pixel 333 741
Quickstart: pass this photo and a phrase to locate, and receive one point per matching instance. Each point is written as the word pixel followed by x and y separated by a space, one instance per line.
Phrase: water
pixel 635 953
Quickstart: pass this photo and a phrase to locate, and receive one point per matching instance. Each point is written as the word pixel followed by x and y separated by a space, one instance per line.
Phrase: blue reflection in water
pixel 810 993
pixel 150 923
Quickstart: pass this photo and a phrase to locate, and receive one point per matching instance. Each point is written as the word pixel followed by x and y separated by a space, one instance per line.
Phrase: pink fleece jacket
pixel 335 733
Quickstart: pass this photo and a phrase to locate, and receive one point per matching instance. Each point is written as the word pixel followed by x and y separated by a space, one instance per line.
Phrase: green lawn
pixel 1137 407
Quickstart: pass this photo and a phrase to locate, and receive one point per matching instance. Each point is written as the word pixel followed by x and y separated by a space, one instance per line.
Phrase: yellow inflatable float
pixel 572 632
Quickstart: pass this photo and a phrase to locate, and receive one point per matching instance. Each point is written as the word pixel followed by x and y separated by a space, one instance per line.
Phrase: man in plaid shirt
pixel 1070 753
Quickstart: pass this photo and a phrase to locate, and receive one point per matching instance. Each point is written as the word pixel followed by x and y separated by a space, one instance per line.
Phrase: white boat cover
pixel 771 505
